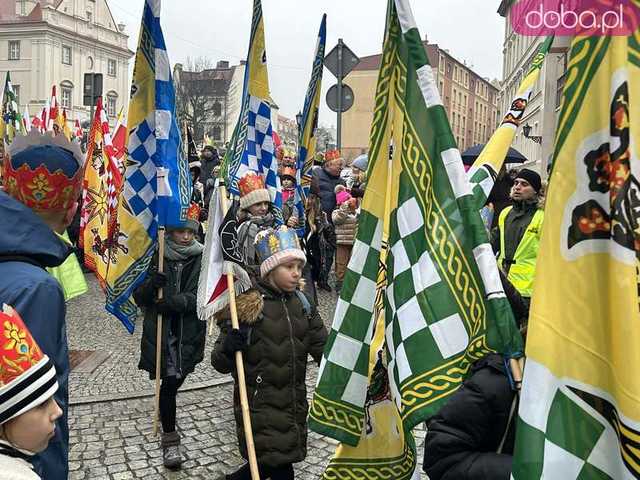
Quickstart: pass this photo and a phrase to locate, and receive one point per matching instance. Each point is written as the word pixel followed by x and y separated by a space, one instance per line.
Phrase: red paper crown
pixel 193 213
pixel 39 188
pixel 289 172
pixel 18 350
pixel 250 182
pixel 332 155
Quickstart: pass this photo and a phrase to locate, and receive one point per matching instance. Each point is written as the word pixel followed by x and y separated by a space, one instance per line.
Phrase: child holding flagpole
pixel 278 330
pixel 183 334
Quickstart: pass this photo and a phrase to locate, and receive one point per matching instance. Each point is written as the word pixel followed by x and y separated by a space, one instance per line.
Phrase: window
pixel 16 91
pixel 89 16
pixel 216 133
pixel 66 55
pixel 217 109
pixel 112 101
pixel 14 49
pixel 66 92
pixel 111 67
pixel 441 64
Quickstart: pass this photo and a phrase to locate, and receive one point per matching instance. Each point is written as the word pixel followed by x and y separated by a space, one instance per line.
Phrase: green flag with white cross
pixel 443 302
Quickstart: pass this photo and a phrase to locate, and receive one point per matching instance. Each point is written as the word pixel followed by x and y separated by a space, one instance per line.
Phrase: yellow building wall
pixel 356 122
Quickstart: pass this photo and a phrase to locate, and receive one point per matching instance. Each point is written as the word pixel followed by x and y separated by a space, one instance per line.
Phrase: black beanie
pixel 531 177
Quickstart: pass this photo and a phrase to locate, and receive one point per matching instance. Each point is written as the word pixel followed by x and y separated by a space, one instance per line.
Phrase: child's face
pixel 259 209
pixel 287 183
pixel 287 276
pixel 33 429
pixel 182 236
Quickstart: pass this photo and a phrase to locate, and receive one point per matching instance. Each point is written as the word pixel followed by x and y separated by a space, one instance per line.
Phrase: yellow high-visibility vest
pixel 523 268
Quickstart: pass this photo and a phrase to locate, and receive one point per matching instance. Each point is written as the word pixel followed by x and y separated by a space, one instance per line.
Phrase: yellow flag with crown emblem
pixel 580 408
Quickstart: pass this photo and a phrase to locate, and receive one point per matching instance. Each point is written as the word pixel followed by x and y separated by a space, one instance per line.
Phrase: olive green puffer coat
pixel 281 336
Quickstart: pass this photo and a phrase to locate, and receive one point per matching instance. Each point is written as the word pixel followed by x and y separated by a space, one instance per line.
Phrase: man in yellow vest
pixel 517 236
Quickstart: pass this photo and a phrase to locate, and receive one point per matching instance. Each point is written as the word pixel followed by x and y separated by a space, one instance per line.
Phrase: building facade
pixel 55 42
pixel 470 100
pixel 288 130
pixel 208 100
pixel 543 108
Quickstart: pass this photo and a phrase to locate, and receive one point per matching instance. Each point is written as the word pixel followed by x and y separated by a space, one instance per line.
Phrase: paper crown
pixel 44 171
pixel 284 152
pixel 289 172
pixel 332 155
pixel 193 213
pixel 252 190
pixel 27 376
pixel 276 247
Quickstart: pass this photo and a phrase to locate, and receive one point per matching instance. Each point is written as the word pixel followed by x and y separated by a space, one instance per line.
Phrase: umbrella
pixel 469 156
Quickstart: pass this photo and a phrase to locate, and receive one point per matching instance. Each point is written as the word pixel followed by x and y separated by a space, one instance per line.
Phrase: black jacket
pixel 182 285
pixel 326 190
pixel 463 437
pixel 282 335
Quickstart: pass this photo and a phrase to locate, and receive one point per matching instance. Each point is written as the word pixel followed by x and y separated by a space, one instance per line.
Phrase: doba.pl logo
pixel 575 17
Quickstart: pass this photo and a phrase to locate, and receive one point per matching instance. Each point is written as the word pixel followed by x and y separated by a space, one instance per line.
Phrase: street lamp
pixel 526 130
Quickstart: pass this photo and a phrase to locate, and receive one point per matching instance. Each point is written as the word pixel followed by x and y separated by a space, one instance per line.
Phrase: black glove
pixel 236 340
pixel 159 279
pixel 171 304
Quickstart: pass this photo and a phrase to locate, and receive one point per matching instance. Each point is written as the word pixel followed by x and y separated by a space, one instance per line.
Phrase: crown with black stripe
pixel 27 376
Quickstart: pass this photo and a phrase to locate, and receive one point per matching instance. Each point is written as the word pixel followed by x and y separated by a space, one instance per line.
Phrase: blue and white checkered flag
pixel 258 154
pixel 157 185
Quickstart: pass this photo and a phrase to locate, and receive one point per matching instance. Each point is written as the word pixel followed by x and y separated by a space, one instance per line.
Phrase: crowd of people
pixel 287 260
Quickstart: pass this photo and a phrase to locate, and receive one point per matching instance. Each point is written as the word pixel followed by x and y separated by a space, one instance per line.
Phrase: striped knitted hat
pixel 27 376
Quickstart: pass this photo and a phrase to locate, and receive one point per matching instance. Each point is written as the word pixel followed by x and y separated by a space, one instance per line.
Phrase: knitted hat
pixel 27 376
pixel 43 171
pixel 252 190
pixel 361 162
pixel 276 247
pixel 531 177
pixel 342 194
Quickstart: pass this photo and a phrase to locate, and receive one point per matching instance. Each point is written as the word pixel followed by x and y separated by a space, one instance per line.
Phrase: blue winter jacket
pixel 39 300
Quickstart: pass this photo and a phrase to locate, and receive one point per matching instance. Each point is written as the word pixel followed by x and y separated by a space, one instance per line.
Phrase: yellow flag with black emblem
pixel 580 407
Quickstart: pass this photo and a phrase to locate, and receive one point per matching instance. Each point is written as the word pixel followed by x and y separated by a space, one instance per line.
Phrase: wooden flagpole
pixel 156 412
pixel 244 402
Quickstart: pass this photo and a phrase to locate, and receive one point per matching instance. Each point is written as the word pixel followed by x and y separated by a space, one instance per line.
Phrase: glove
pixel 236 340
pixel 168 305
pixel 159 279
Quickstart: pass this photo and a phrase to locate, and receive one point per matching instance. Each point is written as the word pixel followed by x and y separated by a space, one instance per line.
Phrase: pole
pixel 339 121
pixel 93 100
pixel 244 402
pixel 156 412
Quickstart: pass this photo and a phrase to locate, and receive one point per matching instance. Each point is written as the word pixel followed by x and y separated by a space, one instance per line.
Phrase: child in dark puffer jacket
pixel 279 328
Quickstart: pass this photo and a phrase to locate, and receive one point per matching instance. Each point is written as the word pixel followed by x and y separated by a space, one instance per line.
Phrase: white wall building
pixel 55 42
pixel 542 112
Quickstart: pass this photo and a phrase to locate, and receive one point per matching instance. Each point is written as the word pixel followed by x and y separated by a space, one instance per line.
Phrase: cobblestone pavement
pixel 111 435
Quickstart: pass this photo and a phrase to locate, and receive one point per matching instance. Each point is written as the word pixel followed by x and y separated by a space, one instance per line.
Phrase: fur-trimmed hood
pixel 249 304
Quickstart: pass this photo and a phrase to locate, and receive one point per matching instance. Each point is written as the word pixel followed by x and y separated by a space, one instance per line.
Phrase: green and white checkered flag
pixel 11 121
pixel 444 303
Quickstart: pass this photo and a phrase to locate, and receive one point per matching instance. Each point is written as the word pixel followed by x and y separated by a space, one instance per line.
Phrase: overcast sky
pixel 219 29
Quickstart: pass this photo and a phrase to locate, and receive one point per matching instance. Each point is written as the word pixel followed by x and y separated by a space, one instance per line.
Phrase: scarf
pixel 179 253
pixel 6 448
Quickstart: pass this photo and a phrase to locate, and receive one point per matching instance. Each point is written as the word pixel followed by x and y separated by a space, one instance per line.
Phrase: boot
pixel 171 456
